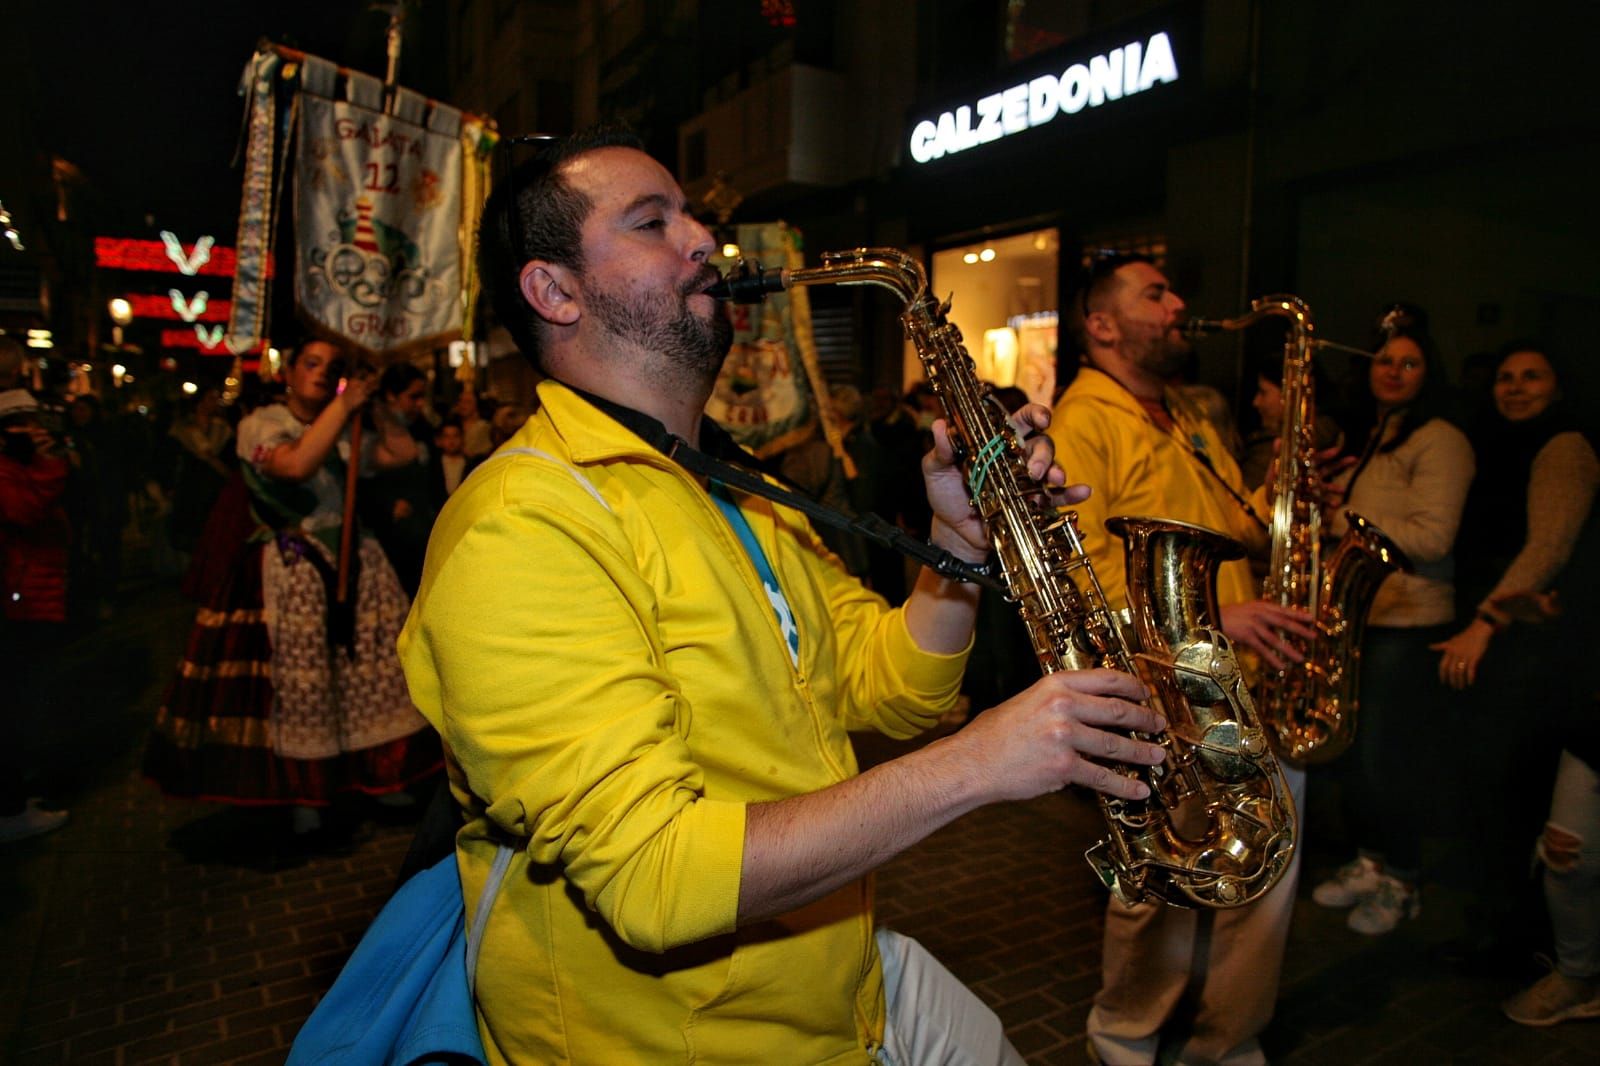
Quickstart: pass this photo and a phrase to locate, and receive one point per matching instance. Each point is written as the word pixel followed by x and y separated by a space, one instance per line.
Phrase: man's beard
pixel 663 323
pixel 1163 356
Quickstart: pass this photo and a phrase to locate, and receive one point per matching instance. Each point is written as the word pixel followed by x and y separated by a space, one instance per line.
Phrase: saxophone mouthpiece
pixel 748 283
pixel 1199 327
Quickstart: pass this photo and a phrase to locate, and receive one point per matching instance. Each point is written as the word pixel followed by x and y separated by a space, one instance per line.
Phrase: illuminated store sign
pixel 1121 72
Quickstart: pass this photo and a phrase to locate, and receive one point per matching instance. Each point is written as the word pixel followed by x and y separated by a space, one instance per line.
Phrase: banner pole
pixel 392 39
pixel 347 530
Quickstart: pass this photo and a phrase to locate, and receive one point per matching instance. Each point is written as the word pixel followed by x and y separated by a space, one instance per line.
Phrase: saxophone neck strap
pixel 1181 433
pixel 715 461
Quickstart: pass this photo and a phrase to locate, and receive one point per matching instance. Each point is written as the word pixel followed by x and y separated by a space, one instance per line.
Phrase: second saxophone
pixel 1311 706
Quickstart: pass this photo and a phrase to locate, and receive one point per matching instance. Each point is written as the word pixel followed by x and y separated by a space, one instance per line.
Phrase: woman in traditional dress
pixel 285 695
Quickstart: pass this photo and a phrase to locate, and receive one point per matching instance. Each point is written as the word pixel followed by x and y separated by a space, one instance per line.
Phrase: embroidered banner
pixel 377 211
pixel 762 397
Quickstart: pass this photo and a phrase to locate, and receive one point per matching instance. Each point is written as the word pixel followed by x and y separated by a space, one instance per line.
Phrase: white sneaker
pixel 1380 912
pixel 33 821
pixel 1355 881
pixel 1554 998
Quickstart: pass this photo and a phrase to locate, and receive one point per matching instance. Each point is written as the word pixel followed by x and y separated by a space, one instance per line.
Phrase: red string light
pixel 123 253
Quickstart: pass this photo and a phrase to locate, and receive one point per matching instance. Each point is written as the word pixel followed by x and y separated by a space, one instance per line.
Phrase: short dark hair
pixel 534 214
pixel 398 377
pixel 1530 344
pixel 1093 283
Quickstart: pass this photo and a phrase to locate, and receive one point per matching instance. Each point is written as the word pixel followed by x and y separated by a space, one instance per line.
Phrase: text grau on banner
pixel 377 212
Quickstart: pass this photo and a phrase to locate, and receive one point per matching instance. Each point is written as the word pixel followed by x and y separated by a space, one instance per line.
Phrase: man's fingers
pixel 1106 780
pixel 1030 416
pixel 1041 460
pixel 1113 747
pixel 1097 683
pixel 1269 656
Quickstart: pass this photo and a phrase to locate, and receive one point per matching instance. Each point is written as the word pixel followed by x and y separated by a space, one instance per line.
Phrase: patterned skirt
pixel 265 710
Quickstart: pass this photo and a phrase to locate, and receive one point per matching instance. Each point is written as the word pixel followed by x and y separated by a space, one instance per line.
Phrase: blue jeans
pixel 1385 777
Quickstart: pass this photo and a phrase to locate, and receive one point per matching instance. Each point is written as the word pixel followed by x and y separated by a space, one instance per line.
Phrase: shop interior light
pixel 730 251
pixel 970 258
pixel 190 388
pixel 120 310
pixel 987 255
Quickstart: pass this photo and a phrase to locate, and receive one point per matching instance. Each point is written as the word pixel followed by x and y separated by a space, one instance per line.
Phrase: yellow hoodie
pixel 613 688
pixel 1105 440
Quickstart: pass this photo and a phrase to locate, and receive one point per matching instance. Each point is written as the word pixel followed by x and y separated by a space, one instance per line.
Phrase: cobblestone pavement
pixel 157 930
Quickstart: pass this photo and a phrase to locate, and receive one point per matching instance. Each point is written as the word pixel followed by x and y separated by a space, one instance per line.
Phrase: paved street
pixel 155 930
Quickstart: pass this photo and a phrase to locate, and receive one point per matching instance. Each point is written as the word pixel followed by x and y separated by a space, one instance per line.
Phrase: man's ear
pixel 1098 325
pixel 548 288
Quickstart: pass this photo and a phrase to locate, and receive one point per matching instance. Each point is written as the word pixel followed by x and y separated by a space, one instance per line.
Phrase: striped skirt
pixel 265 710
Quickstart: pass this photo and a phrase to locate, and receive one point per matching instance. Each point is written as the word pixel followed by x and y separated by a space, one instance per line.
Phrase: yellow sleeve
pixel 532 647
pixel 885 682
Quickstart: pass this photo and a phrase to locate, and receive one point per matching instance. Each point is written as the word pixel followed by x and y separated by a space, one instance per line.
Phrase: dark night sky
pixel 141 96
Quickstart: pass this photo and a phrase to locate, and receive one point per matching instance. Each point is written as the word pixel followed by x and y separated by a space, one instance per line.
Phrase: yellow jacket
pixel 613 688
pixel 1105 440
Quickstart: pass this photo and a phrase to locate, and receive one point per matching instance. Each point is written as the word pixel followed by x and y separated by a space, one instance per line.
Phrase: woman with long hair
pixel 288 695
pixel 1410 480
pixel 1527 515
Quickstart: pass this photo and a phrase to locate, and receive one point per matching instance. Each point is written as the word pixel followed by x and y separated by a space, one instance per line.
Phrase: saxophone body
pixel 1218 828
pixel 1311 707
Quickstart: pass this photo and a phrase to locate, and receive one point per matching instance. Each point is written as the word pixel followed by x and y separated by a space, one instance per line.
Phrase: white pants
pixel 1572 889
pixel 934 1019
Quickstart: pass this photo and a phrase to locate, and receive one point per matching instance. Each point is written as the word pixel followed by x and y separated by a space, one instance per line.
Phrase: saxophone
pixel 1218 828
pixel 1310 707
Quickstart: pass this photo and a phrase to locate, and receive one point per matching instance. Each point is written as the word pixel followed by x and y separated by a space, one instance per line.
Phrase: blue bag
pixel 405 996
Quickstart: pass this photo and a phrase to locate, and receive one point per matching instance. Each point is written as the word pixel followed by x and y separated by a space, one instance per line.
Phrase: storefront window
pixel 1004 303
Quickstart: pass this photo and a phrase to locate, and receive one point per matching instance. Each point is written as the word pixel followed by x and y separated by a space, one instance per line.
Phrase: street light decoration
pixel 9 230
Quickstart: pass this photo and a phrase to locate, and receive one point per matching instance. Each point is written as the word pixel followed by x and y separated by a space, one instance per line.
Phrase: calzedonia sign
pixel 1119 73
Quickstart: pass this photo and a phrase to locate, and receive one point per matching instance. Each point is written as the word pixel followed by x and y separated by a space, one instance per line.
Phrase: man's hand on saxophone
pixel 1265 628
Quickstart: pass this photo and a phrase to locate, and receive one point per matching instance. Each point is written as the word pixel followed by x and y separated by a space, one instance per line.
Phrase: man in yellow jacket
pixel 1120 428
pixel 645 687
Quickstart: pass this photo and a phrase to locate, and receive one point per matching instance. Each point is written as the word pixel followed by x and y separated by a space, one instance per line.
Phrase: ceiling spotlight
pixel 730 251
pixel 190 388
pixel 970 258
pixel 987 255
